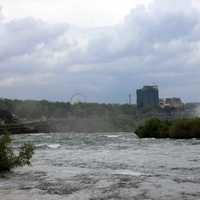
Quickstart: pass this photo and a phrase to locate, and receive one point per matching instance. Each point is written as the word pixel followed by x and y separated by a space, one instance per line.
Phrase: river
pixel 103 166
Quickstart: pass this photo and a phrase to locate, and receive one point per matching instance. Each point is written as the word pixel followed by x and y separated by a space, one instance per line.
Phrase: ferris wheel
pixel 78 98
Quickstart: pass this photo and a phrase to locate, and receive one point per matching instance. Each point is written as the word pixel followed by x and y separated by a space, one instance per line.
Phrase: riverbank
pixel 17 129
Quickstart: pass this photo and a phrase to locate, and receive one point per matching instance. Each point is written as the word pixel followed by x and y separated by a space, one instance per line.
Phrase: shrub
pixel 151 128
pixel 180 129
pixel 8 159
pixel 185 129
pixel 177 129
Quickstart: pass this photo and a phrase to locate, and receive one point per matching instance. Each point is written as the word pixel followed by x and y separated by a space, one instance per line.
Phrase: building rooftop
pixel 150 87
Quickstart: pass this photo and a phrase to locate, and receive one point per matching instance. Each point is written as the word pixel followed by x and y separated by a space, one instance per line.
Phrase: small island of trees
pixel 176 129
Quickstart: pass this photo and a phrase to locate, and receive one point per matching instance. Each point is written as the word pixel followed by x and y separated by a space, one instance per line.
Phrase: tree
pixel 8 159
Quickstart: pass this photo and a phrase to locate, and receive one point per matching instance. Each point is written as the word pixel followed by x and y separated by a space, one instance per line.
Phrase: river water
pixel 103 166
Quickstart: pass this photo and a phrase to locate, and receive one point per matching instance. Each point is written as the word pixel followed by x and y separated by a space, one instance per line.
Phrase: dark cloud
pixel 159 44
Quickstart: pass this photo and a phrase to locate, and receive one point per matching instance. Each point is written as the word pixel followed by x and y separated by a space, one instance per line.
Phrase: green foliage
pixel 103 117
pixel 30 109
pixel 177 129
pixel 185 128
pixel 151 128
pixel 8 159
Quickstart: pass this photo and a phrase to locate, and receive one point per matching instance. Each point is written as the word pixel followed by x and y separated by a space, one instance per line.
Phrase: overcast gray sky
pixel 82 13
pixel 102 49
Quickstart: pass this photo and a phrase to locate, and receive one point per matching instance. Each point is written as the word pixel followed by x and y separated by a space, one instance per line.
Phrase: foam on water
pixel 52 146
pixel 127 172
pixel 112 136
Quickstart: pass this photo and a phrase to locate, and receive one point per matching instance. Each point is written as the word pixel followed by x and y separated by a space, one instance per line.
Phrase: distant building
pixel 173 102
pixel 148 97
pixel 162 103
pixel 139 98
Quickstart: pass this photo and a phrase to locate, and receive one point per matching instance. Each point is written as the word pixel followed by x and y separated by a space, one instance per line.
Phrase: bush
pixel 153 128
pixel 177 129
pixel 8 159
pixel 185 129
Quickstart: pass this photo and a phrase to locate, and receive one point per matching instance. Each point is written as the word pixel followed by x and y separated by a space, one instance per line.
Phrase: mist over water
pixel 197 111
pixel 105 166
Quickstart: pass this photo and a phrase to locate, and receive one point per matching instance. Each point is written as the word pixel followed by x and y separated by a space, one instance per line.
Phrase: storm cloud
pixel 156 44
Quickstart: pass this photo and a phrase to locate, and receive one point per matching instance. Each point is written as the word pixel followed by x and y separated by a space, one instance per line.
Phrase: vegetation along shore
pixel 177 129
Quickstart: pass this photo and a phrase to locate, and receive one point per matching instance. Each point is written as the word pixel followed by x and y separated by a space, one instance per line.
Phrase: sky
pixel 101 49
pixel 91 13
